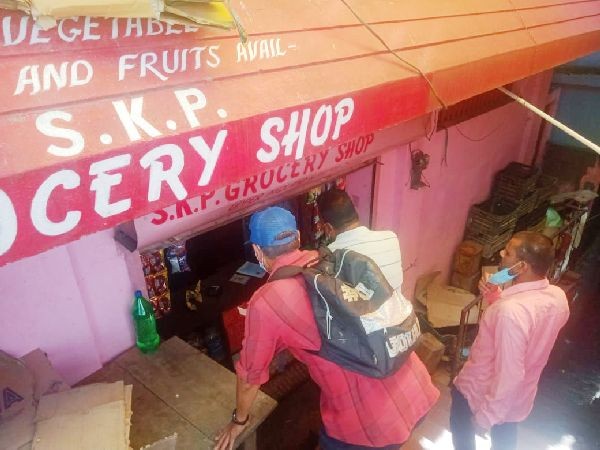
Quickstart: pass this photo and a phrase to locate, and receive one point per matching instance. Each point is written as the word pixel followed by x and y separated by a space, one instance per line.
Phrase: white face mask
pixel 262 266
pixel 260 259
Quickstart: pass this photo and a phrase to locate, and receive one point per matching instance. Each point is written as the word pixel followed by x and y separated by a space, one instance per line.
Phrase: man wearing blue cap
pixel 358 412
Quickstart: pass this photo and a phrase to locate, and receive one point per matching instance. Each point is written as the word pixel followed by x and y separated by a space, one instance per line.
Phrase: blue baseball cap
pixel 267 224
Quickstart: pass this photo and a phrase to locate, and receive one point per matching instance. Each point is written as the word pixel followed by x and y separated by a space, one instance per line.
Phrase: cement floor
pixel 566 415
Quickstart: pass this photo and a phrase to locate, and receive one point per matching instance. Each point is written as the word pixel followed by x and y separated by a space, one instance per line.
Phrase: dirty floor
pixel 566 415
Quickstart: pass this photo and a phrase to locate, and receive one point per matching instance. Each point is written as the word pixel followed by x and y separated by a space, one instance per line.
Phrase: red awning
pixel 103 121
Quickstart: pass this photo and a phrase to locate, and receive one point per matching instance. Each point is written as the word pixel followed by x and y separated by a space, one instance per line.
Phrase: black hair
pixel 336 208
pixel 535 249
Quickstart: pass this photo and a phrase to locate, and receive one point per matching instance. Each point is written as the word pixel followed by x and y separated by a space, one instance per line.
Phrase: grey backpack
pixel 365 326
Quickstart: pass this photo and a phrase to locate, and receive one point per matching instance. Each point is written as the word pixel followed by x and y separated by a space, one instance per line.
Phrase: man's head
pixel 534 252
pixel 273 233
pixel 337 211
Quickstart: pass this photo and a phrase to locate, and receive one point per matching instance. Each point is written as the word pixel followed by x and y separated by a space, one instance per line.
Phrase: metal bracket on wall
pixel 126 240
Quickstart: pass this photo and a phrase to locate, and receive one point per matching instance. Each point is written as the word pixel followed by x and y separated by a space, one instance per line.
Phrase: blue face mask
pixel 501 277
pixel 504 275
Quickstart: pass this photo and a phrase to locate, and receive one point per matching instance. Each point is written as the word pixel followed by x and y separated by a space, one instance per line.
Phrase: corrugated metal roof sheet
pixel 111 85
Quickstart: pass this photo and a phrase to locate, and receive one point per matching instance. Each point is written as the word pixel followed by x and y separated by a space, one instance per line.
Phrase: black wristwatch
pixel 235 420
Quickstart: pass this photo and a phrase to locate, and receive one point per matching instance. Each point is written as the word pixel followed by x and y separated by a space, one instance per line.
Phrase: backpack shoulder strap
pixel 291 271
pixel 285 272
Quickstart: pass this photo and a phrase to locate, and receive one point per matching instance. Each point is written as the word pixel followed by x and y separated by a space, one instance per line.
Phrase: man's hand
pixel 245 395
pixel 490 292
pixel 227 436
pixel 486 288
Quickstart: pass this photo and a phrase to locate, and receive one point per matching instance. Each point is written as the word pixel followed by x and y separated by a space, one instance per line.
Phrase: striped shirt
pixel 381 246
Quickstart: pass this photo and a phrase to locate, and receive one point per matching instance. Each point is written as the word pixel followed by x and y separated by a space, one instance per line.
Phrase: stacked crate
pixel 491 224
pixel 535 220
pixel 516 181
pixel 515 194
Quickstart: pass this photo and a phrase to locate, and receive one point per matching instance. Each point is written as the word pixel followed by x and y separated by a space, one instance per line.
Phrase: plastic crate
pixel 515 181
pixel 534 217
pixel 527 205
pixel 491 244
pixel 492 217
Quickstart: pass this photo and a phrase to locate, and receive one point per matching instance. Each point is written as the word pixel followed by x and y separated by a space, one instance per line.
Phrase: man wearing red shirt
pixel 358 412
pixel 497 385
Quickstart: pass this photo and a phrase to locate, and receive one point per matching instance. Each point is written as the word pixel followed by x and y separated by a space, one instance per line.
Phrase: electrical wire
pixel 434 121
pixel 483 138
pixel 368 27
pixel 444 161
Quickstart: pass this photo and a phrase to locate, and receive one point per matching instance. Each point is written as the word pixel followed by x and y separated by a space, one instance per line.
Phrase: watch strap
pixel 235 420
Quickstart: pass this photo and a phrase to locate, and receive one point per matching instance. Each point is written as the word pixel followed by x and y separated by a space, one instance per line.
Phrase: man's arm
pixel 260 345
pixel 245 396
pixel 509 370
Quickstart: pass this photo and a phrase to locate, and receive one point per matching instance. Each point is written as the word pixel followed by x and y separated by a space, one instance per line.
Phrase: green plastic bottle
pixel 146 337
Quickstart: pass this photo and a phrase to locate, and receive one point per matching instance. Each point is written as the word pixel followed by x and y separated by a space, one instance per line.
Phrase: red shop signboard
pixel 86 145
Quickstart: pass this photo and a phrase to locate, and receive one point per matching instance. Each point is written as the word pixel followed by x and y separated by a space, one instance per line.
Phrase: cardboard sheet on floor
pixel 128 412
pixel 79 400
pixel 168 443
pixel 93 416
pixel 101 426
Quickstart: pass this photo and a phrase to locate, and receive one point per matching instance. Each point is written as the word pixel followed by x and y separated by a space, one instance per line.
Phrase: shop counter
pixel 178 389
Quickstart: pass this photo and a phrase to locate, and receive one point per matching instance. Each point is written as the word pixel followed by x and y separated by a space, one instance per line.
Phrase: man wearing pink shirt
pixel 497 385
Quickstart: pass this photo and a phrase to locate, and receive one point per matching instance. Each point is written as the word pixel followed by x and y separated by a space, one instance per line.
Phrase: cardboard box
pixel 422 284
pixel 47 379
pixel 445 304
pixel 467 258
pixel 430 351
pixel 23 382
pixel 17 387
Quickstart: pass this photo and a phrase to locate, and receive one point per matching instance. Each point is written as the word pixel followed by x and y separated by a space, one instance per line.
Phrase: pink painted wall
pixel 359 185
pixel 73 301
pixel 430 222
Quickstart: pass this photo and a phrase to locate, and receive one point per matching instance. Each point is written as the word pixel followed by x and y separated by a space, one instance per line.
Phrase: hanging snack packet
pixel 177 256
pixel 153 262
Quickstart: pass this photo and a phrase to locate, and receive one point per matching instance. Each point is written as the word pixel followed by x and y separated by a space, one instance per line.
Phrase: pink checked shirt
pixel 516 335
pixel 355 409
